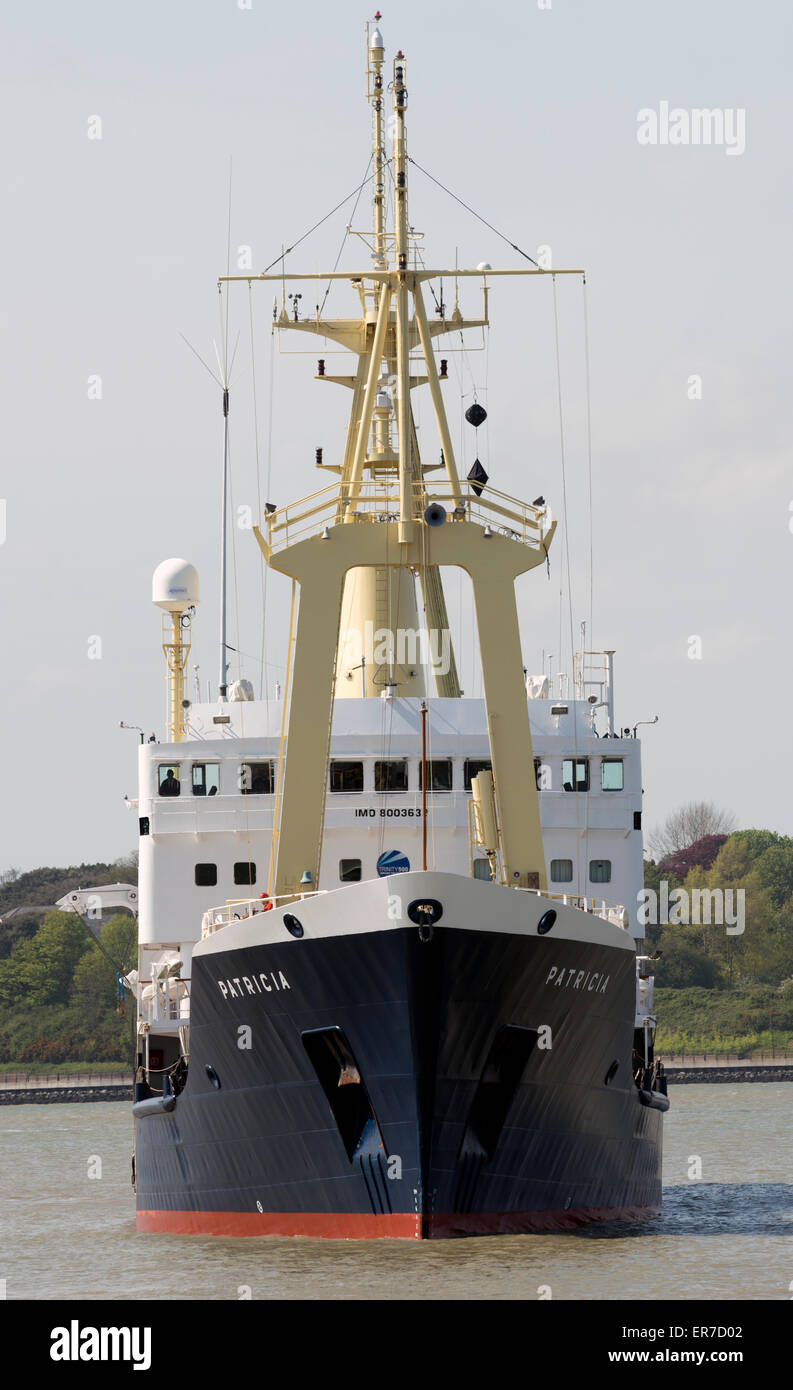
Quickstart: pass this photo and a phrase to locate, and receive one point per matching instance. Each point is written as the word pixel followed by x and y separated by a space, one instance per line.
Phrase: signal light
pixel 321 367
pixel 444 367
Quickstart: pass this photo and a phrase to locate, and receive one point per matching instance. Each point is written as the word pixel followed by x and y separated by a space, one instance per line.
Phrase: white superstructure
pixel 212 841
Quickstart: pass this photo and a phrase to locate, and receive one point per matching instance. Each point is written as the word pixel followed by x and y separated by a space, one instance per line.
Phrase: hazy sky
pixel 111 248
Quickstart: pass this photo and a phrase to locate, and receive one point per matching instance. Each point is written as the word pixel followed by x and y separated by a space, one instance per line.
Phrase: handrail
pixel 375 502
pixel 216 917
pixel 612 912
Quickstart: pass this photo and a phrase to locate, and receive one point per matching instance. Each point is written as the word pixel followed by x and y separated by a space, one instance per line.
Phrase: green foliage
pixel 759 863
pixel 757 842
pixel 58 993
pixel 739 1021
pixel 775 873
pixel 40 968
pixel 653 876
pixel 683 963
pixel 65 1069
pixel 39 889
pixel 20 926
pixel 94 984
pixel 120 940
pixel 679 1044
pixel 59 943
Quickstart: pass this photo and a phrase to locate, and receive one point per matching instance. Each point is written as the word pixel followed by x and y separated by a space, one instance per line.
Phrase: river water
pixel 725 1235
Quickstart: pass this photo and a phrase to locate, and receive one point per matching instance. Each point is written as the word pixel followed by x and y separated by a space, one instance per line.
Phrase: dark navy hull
pixel 390 1085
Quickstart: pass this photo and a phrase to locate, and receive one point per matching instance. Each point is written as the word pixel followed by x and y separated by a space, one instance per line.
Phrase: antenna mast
pixel 406 526
pixel 224 665
pixel 374 73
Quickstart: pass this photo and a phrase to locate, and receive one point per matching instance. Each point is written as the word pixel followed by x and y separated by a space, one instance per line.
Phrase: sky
pixel 536 116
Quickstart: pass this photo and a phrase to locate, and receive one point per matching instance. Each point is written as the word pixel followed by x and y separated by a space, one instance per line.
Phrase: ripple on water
pixel 726 1236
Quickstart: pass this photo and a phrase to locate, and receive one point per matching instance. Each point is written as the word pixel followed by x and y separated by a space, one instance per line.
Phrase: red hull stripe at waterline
pixel 320 1225
pixel 401 1226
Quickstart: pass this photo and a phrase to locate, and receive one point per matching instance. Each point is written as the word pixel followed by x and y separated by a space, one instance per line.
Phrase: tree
pixel 127 866
pixel 60 941
pixel 775 870
pixel 688 824
pixel 94 987
pixel 700 855
pixel 40 969
pixel 683 963
pixel 120 940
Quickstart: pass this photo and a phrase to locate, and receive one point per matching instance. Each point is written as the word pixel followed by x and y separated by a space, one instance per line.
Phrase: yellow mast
pixel 176 646
pixel 364 528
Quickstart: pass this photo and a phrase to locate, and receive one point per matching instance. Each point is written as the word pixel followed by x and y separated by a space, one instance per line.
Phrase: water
pixel 726 1236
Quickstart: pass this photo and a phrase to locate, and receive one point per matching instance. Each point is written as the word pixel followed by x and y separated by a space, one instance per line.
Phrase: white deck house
pixel 206 805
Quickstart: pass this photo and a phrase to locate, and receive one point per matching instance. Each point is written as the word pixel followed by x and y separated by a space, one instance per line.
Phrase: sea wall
pixel 694 1076
pixel 63 1095
pixel 676 1076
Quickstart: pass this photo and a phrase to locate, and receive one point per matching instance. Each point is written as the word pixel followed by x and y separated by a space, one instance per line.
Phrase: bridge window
pixel 346 777
pixel 482 869
pixel 206 779
pixel 168 779
pixel 575 774
pixel 611 775
pixel 439 774
pixel 206 875
pixel 350 870
pixel 600 871
pixel 472 768
pixel 542 775
pixel 561 871
pixel 256 779
pixel 245 872
pixel 391 775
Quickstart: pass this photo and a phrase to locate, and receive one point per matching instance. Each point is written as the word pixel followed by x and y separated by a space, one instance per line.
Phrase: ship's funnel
pixel 380 637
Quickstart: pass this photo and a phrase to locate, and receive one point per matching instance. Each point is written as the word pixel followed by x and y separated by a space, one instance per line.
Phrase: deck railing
pixel 612 912
pixel 238 909
pixel 377 502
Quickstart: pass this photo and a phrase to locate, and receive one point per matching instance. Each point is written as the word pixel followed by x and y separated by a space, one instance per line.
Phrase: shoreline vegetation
pixel 721 994
pixel 64 1071
pixel 61 1000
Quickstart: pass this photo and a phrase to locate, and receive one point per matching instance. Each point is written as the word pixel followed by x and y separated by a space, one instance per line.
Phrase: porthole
pixel 546 921
pixel 611 1073
pixel 213 1076
pixel 293 926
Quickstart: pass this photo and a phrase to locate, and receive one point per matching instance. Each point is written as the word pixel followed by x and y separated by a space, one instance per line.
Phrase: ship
pixel 383 990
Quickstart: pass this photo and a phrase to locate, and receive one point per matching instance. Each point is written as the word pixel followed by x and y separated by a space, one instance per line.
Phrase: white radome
pixel 174 586
pixel 484 265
